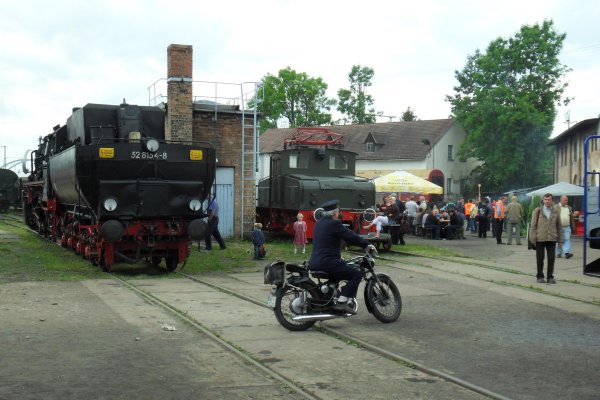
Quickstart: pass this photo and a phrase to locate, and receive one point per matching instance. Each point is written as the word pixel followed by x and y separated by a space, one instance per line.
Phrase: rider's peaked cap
pixel 330 205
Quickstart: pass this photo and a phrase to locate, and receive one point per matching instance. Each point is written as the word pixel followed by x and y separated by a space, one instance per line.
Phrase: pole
pixel 479 192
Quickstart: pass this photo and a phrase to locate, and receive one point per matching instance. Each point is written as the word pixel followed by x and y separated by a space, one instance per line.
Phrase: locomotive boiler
pixel 311 169
pixel 110 186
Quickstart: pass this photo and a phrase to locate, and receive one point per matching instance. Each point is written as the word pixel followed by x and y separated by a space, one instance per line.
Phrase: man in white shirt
pixel 411 212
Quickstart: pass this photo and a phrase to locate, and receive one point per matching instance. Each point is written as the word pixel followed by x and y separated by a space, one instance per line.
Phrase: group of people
pixel 300 241
pixel 445 224
pixel 391 212
pixel 550 230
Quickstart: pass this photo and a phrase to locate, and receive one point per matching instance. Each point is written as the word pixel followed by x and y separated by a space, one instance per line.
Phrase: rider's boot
pixel 344 307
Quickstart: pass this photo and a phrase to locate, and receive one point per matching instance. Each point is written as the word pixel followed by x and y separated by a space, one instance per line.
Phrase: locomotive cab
pixel 304 176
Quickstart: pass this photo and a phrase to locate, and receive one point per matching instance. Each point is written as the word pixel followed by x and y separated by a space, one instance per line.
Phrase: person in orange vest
pixel 498 214
pixel 468 206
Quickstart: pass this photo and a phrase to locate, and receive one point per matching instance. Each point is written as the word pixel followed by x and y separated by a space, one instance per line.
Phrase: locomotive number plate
pixel 146 155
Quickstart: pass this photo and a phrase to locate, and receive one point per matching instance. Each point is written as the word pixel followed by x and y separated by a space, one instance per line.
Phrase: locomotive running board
pixel 319 317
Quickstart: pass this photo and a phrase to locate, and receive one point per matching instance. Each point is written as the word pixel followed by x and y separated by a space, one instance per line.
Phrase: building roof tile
pixel 394 140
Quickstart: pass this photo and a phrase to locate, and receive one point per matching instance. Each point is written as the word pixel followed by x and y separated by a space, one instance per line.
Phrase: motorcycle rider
pixel 326 254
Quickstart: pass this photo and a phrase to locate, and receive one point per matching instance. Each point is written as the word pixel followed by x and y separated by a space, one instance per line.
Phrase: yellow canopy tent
pixel 405 182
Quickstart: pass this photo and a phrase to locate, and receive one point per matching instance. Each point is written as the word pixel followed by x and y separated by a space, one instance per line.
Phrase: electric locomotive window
pixel 298 161
pixel 337 162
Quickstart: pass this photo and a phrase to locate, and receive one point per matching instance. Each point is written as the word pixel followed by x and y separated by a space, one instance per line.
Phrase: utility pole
pixel 4 165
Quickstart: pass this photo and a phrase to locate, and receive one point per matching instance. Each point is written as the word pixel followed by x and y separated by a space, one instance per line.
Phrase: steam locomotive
pixel 109 186
pixel 9 189
pixel 311 169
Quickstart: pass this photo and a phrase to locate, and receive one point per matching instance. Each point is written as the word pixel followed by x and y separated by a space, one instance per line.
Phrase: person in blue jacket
pixel 326 255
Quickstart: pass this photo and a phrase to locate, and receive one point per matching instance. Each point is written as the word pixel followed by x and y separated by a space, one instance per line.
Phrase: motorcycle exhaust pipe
pixel 319 317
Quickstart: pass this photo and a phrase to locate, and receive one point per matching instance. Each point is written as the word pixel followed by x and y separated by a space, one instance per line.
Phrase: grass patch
pixel 239 257
pixel 25 256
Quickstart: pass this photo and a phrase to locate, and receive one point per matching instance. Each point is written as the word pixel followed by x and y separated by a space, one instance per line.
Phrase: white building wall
pixel 393 165
pixel 454 169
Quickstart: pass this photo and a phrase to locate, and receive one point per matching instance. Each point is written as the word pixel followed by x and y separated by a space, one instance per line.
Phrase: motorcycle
pixel 300 297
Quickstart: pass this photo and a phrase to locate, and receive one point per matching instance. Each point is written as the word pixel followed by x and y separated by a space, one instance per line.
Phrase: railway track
pixel 481 271
pixel 287 378
pixel 14 221
pixel 174 310
pixel 254 301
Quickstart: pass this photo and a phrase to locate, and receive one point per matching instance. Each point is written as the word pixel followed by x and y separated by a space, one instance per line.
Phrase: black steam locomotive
pixel 109 186
pixel 310 170
pixel 9 189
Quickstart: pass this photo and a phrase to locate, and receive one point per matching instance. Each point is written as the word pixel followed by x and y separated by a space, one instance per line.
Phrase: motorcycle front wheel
pixel 383 299
pixel 288 306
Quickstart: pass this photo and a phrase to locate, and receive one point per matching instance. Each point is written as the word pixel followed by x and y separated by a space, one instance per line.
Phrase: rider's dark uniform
pixel 326 254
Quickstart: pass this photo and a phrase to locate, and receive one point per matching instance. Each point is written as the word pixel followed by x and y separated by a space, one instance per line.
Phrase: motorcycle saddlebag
pixel 275 273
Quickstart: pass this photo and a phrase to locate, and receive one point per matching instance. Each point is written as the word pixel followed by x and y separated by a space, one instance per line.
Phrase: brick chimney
pixel 179 92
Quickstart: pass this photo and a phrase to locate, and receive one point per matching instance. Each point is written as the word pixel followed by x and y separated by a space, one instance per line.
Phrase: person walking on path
pixel 498 213
pixel 567 223
pixel 300 234
pixel 514 215
pixel 545 232
pixel 213 224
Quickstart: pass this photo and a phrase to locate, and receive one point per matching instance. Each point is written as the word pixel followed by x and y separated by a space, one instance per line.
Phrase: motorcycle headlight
pixel 110 204
pixel 195 205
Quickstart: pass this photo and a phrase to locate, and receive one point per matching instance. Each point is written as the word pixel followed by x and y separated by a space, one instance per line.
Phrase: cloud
pixel 62 54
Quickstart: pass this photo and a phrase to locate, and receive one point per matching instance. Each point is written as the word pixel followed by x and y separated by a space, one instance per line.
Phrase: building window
pixel 450 156
pixel 370 147
pixel 449 185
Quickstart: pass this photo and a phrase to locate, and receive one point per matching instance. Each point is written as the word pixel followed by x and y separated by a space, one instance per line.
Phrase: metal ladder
pixel 250 152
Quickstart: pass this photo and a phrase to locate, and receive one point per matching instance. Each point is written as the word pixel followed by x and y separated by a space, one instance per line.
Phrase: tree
pixel 354 102
pixel 408 115
pixel 506 101
pixel 294 96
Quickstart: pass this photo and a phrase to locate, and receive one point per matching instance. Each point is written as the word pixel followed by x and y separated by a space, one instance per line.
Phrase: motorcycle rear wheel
pixel 384 300
pixel 284 314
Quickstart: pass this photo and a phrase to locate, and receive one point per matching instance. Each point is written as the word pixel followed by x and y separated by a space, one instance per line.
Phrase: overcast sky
pixel 56 55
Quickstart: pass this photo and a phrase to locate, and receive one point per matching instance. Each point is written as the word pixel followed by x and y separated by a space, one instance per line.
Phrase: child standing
pixel 300 234
pixel 258 240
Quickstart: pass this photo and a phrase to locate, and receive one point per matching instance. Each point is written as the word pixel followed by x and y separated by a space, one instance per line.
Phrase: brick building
pixel 227 125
